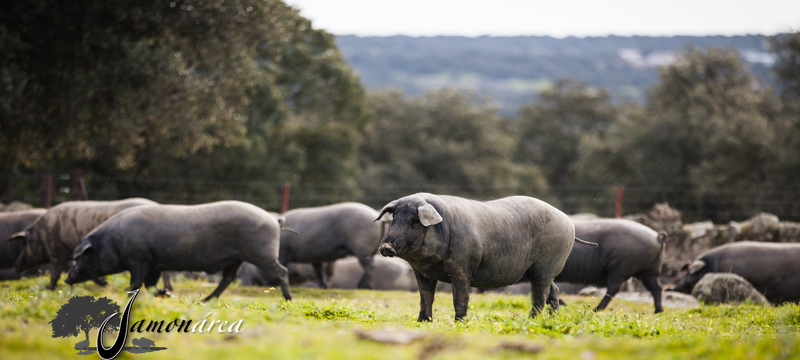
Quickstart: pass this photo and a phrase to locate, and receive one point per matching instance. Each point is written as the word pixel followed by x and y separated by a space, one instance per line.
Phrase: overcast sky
pixel 559 18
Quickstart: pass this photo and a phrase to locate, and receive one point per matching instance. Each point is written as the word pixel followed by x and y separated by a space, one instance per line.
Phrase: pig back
pixel 772 268
pixel 68 223
pixel 622 244
pixel 10 223
pixel 324 232
pixel 507 236
pixel 186 236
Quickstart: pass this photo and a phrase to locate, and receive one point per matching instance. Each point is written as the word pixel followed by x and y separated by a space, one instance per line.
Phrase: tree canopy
pixel 446 142
pixel 175 90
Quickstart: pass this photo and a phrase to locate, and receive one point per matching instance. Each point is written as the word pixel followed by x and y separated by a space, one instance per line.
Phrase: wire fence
pixel 719 205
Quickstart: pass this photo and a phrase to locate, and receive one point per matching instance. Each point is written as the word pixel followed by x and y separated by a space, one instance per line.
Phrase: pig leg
pixel 650 282
pixel 167 283
pixel 100 281
pixel 320 276
pixel 369 268
pixel 138 273
pixel 614 283
pixel 427 289
pixel 228 275
pixel 150 282
pixel 540 290
pixel 273 269
pixel 460 293
pixel 55 273
pixel 328 266
pixel 552 298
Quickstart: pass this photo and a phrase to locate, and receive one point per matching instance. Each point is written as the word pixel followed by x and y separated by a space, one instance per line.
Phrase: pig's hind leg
pixel 150 282
pixel 650 282
pixel 273 269
pixel 369 269
pixel 540 289
pixel 613 285
pixel 228 276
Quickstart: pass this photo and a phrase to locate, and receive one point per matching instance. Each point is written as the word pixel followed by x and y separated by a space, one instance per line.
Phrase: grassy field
pixel 324 324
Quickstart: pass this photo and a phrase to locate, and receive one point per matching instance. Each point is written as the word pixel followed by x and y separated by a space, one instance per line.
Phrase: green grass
pixel 322 324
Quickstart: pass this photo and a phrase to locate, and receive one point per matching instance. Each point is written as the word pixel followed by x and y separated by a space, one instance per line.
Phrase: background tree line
pixel 196 101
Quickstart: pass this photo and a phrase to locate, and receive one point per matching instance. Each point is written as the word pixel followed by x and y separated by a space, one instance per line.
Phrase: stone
pixel 592 291
pixel 697 230
pixel 725 288
pixel 789 232
pixel 731 231
pixel 14 206
pixel 390 336
pixel 522 346
pixel 760 227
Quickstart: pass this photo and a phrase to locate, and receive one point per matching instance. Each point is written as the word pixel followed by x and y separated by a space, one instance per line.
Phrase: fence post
pixel 48 190
pixel 80 187
pixel 285 197
pixel 9 184
pixel 618 204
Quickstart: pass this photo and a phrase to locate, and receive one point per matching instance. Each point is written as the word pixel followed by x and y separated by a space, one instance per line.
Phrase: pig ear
pixel 82 248
pixel 696 266
pixel 428 215
pixel 22 235
pixel 389 208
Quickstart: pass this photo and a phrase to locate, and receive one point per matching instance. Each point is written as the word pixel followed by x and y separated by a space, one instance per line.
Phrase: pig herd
pixel 424 240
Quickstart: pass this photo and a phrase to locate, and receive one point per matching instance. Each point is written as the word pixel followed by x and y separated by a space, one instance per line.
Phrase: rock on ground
pixel 723 288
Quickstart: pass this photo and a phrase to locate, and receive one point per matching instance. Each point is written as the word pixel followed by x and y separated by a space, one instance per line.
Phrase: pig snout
pixel 668 287
pixel 387 250
pixel 70 278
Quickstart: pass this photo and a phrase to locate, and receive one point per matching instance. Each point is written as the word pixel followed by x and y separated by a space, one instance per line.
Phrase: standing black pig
pixel 54 235
pixel 482 244
pixel 626 248
pixel 209 237
pixel 773 269
pixel 10 223
pixel 327 233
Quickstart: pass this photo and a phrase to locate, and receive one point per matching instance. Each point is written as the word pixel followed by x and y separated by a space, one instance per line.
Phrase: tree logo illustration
pixel 81 314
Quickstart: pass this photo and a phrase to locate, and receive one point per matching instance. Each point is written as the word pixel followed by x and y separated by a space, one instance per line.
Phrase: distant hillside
pixel 511 70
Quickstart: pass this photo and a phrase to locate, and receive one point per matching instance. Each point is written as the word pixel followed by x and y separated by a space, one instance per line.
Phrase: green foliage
pixel 551 131
pixel 703 136
pixel 786 48
pixel 334 311
pixel 176 91
pixel 448 142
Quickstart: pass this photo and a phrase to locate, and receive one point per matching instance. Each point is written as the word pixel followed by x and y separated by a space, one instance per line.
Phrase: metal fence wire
pixel 719 205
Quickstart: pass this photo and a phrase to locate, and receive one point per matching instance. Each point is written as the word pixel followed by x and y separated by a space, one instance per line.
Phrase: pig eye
pixel 413 219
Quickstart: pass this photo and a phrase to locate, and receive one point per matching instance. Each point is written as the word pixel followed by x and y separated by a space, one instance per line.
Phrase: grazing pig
pixel 482 244
pixel 53 236
pixel 328 233
pixel 772 268
pixel 11 223
pixel 209 237
pixel 626 248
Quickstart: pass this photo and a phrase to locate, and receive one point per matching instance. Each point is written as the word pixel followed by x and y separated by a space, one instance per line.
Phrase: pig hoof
pixel 164 294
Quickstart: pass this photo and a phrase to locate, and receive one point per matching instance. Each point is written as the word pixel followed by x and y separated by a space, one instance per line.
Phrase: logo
pixel 83 313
